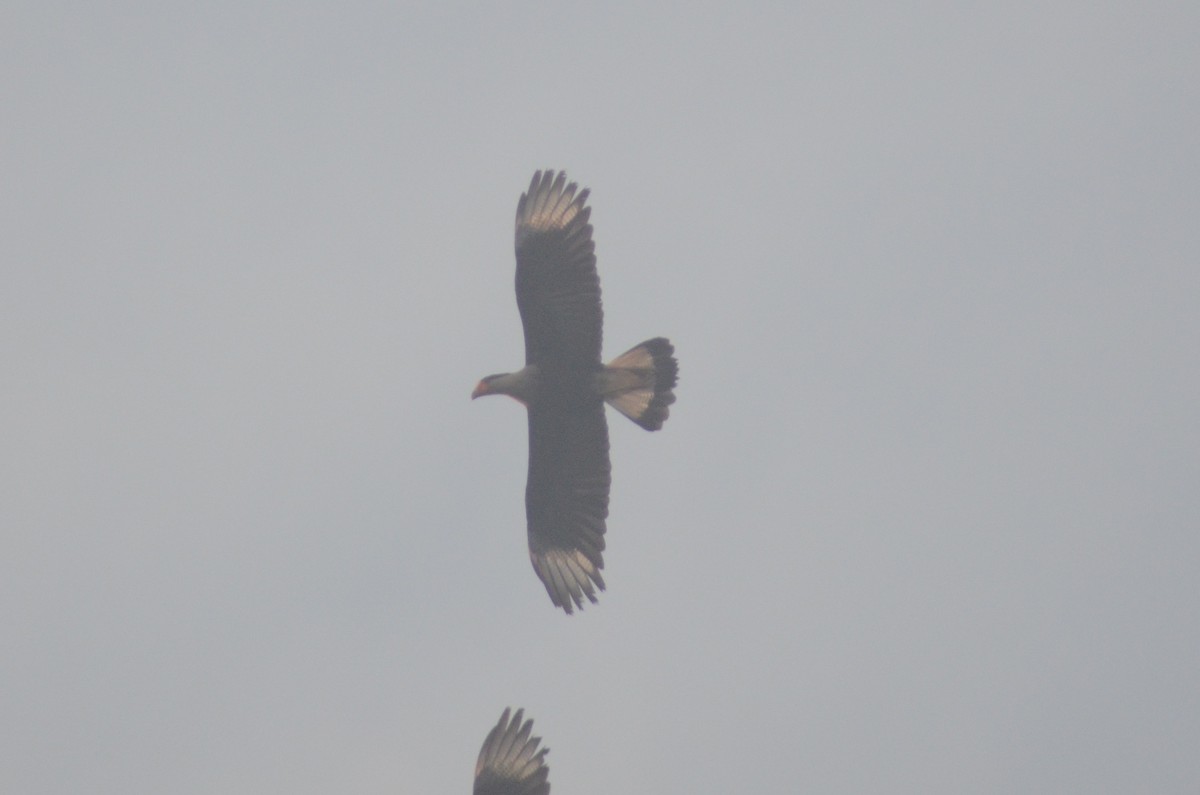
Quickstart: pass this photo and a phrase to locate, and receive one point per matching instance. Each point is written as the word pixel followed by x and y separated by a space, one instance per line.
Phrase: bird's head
pixel 486 386
pixel 519 385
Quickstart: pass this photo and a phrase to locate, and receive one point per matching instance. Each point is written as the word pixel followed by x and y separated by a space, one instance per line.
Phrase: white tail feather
pixel 638 383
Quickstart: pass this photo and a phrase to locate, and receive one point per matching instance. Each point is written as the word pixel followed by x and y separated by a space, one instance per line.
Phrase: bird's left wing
pixel 510 762
pixel 558 291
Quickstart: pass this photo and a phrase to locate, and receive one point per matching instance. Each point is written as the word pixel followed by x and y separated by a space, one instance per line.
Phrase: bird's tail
pixel 638 383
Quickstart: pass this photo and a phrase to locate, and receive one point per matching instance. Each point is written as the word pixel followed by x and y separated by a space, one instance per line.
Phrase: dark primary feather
pixel 509 762
pixel 558 291
pixel 566 495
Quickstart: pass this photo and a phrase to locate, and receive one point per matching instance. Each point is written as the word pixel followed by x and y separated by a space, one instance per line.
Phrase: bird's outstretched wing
pixel 566 497
pixel 558 291
pixel 510 762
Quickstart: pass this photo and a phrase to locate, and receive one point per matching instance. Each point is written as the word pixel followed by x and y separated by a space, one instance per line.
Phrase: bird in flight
pixel 509 762
pixel 564 385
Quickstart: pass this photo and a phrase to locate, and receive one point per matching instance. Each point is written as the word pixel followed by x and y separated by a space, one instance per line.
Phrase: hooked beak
pixel 482 388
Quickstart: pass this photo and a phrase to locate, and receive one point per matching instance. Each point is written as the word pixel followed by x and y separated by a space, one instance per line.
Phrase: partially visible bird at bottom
pixel 509 762
pixel 564 385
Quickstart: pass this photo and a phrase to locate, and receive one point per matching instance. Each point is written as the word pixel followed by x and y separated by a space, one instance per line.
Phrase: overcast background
pixel 924 519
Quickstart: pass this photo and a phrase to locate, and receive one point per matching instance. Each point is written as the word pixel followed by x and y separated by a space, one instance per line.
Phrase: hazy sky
pixel 926 517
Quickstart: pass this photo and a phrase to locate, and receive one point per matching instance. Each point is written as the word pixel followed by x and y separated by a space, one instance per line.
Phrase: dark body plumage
pixel 565 385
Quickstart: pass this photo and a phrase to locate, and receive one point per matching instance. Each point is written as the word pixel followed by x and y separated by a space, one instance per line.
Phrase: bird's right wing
pixel 510 762
pixel 566 497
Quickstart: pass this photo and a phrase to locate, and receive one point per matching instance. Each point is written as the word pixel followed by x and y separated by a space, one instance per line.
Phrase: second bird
pixel 564 385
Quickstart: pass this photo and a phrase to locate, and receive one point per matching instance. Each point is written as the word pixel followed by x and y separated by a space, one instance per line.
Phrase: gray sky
pixel 924 518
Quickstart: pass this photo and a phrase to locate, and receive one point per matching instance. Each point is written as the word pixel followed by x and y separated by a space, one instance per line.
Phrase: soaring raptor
pixel 564 385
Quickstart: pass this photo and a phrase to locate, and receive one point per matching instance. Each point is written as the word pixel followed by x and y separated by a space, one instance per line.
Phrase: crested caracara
pixel 564 385
pixel 509 762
